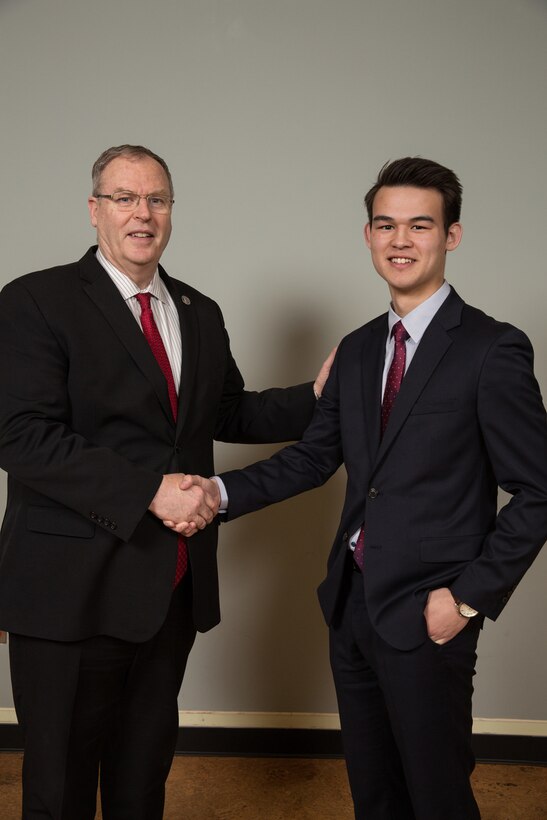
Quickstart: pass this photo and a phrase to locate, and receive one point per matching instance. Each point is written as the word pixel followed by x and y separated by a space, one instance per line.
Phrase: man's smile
pixel 401 260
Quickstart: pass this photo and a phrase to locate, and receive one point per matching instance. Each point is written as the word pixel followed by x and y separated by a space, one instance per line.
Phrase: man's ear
pixel 367 234
pixel 93 204
pixel 454 236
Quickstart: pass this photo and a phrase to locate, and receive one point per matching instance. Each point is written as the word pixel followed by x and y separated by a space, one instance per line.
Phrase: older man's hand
pixel 323 374
pixel 183 504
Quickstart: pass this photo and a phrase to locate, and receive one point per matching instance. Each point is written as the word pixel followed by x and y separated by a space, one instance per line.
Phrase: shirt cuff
pixel 223 506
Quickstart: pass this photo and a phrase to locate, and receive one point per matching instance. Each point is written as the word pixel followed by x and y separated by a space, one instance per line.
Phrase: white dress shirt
pixel 163 310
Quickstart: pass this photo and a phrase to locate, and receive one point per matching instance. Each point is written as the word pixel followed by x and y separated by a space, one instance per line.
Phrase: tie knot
pixel 399 333
pixel 144 300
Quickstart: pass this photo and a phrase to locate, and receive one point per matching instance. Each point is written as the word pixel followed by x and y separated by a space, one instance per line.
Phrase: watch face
pixel 467 611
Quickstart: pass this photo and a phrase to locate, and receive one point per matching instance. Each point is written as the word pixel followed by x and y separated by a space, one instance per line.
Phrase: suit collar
pixel 449 314
pixel 417 320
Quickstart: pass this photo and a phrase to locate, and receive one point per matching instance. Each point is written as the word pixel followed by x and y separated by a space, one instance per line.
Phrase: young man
pixel 430 407
pixel 115 378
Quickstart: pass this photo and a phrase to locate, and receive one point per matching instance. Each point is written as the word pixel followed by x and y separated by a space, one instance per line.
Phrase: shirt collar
pixel 126 286
pixel 416 322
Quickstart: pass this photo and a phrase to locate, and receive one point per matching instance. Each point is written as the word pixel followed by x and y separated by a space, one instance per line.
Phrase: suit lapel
pixel 372 366
pixel 189 330
pixel 103 292
pixel 432 348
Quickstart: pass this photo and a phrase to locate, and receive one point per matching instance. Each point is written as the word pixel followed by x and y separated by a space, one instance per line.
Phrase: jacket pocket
pixel 435 406
pixel 52 521
pixel 451 548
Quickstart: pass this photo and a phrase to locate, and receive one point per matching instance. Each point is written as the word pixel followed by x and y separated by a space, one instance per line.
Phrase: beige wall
pixel 275 117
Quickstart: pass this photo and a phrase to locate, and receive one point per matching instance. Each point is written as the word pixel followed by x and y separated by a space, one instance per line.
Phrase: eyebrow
pixel 422 218
pixel 160 192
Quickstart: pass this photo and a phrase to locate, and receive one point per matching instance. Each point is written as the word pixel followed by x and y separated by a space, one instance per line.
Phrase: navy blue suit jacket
pixel 468 418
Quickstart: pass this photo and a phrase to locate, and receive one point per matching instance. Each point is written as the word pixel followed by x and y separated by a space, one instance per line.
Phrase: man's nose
pixel 401 238
pixel 142 211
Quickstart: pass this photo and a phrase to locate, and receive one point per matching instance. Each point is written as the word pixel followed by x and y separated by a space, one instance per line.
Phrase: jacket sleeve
pixel 295 469
pixel 37 445
pixel 514 429
pixel 256 417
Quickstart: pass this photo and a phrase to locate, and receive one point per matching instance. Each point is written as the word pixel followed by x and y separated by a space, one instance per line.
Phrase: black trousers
pixel 101 704
pixel 406 718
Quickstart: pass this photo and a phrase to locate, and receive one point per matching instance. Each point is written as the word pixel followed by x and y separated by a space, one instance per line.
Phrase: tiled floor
pixel 230 788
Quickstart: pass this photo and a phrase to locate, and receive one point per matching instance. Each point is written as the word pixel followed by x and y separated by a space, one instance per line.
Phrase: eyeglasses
pixel 128 201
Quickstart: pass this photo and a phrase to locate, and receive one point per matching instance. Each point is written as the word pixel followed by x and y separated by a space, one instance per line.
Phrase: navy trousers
pixel 405 717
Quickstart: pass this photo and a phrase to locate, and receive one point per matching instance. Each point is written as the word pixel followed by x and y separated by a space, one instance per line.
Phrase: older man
pixel 115 379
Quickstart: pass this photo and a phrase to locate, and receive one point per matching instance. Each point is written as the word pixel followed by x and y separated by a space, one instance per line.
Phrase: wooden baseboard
pixel 272 742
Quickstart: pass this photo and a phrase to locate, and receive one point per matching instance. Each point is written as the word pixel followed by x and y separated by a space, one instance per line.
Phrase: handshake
pixel 186 503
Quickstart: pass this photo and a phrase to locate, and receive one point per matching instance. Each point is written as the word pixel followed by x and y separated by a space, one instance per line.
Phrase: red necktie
pixel 152 336
pixel 393 383
pixel 396 371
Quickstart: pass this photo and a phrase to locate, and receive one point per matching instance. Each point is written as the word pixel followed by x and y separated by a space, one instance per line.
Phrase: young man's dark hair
pixel 417 172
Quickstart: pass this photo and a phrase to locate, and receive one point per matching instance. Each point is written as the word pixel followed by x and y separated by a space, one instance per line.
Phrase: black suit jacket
pixel 86 433
pixel 468 418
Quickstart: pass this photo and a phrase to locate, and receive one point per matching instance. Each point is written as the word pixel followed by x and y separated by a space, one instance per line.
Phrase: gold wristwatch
pixel 465 610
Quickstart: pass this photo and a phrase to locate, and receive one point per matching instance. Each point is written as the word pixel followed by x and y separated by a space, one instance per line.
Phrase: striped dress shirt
pixel 163 310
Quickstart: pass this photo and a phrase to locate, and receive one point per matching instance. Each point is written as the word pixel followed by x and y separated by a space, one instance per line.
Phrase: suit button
pixel 113 526
pixel 373 493
pixel 93 516
pixel 345 536
pixel 178 449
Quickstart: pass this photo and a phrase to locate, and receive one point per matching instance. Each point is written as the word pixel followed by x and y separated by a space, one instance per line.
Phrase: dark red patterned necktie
pixel 396 371
pixel 152 336
pixel 393 384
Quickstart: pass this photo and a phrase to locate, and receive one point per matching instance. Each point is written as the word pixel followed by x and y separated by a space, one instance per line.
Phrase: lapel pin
pixel 186 300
